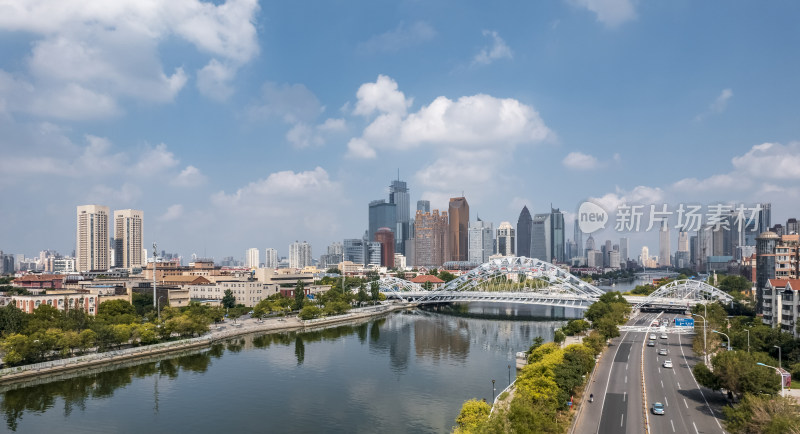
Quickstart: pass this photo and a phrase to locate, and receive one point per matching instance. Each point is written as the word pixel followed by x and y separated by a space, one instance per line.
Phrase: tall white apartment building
pixel 271 258
pixel 299 254
pixel 128 225
pixel 252 259
pixel 91 248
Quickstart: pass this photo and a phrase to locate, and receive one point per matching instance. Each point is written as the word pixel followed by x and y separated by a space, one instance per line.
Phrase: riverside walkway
pixel 216 332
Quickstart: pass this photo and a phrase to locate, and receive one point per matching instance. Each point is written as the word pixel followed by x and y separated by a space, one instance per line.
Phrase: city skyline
pixel 224 130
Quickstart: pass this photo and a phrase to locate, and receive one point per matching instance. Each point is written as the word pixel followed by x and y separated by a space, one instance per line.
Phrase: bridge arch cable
pixel 685 290
pixel 560 283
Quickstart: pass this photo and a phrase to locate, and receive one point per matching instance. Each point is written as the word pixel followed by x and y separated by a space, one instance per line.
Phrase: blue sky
pixel 243 124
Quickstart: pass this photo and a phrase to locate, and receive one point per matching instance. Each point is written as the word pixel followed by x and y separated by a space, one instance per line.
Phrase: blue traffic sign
pixel 684 322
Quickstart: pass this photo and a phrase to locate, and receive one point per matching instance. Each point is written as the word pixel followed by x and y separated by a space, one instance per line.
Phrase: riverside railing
pixel 104 356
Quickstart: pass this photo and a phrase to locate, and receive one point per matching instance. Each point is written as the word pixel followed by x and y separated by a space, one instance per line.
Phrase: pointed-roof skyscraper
pixel 524 232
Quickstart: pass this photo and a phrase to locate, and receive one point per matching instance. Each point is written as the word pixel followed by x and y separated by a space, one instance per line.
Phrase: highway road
pixel 617 388
pixel 688 407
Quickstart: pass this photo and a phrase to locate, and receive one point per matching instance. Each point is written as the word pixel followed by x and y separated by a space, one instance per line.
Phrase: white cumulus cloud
pixel 497 50
pixel 214 80
pixel 382 96
pixel 718 105
pixel 579 161
pixel 189 177
pixel 609 12
pixel 93 53
pixel 174 212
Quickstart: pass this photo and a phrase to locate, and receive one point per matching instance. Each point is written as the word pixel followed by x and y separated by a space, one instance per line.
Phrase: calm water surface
pixel 408 372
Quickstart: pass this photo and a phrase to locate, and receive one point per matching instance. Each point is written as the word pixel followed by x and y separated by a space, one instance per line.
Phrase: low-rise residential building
pixel 782 305
pixel 427 279
pixel 88 300
pixel 40 281
pixel 283 277
pixel 247 292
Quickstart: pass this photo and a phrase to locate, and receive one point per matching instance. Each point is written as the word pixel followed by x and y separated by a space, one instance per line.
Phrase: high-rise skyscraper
pixel 481 241
pixel 506 242
pixel 381 215
pixel 271 258
pixel 459 229
pixel 765 218
pixel 431 238
pixel 299 254
pixel 91 251
pixel 547 236
pixel 353 250
pixel 623 249
pixel 664 251
pixel 252 259
pixel 644 258
pixel 578 237
pixel 128 225
pixel 424 206
pixel 385 237
pixel 524 232
pixel 792 227
pixel 398 195
pixel 765 270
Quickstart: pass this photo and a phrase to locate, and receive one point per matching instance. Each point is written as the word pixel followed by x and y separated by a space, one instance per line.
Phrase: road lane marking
pixel 666 402
pixel 608 381
pixel 624 396
pixel 626 378
pixel 679 385
pixel 680 344
pixel 684 403
pixel 662 383
pixel 695 428
pixel 659 370
pixel 673 425
pixel 622 419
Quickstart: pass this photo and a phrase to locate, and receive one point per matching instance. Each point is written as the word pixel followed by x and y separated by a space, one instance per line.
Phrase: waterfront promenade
pixel 217 332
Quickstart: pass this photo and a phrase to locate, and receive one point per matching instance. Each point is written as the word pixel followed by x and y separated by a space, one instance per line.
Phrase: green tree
pixel 17 349
pixel 310 312
pixel 362 294
pixel 763 414
pixel 228 299
pixel 12 319
pixel 117 312
pixel 473 414
pixel 446 276
pixel 737 372
pixel 607 328
pixel 299 295
pixel 734 284
pixel 559 337
pixel 375 291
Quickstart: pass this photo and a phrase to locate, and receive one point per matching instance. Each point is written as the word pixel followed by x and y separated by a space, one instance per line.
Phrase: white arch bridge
pixel 532 281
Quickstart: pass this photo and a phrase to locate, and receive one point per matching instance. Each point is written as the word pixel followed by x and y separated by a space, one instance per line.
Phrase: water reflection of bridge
pixel 532 281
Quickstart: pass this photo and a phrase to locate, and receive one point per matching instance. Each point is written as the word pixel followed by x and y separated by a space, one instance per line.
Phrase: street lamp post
pixel 783 392
pixel 493 391
pixel 779 356
pixel 705 351
pixel 509 375
pixel 748 339
pixel 723 334
pixel 155 255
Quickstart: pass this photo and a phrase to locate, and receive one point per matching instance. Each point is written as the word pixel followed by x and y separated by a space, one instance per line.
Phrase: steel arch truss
pixel 561 284
pixel 688 291
pixel 393 285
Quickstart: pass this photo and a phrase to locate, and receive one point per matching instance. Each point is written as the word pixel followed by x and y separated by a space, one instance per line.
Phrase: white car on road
pixel 668 363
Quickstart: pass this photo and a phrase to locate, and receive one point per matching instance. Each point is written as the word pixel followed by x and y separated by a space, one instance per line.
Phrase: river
pixel 406 372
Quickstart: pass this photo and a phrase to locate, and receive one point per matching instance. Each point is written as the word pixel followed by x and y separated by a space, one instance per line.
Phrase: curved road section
pixel 618 391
